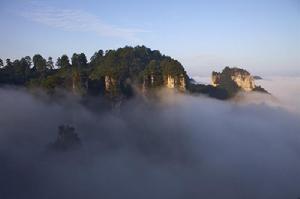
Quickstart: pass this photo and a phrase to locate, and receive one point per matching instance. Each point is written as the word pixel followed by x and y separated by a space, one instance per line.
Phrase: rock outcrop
pixel 240 77
pixel 177 82
pixel 168 81
pixel 79 82
pixel 168 73
pixel 151 81
pixel 110 83
pixel 113 86
pixel 215 78
pixel 256 77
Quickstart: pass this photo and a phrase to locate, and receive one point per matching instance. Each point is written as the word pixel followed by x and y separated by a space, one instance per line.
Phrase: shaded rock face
pixel 182 83
pixel 152 81
pixel 256 77
pixel 242 78
pixel 117 88
pixel 80 83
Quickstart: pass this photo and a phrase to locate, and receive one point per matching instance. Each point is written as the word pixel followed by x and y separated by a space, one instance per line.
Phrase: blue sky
pixel 262 36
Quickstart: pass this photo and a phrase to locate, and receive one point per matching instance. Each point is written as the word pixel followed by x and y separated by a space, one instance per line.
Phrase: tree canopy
pixel 113 70
pixel 76 73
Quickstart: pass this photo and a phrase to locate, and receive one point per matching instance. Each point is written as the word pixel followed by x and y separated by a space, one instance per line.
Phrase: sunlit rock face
pixel 110 84
pixel 241 77
pixel 178 82
pixel 246 82
pixel 215 78
pixel 169 81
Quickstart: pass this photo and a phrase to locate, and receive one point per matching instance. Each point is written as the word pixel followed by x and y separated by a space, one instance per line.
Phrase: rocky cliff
pixel 110 84
pixel 242 78
pixel 171 82
pixel 176 82
pixel 167 73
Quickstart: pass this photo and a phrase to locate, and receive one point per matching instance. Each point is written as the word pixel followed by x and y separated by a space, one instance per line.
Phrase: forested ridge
pixel 122 68
pixel 112 73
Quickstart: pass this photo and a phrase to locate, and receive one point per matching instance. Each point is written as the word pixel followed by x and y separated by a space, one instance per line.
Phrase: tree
pixel 82 60
pixel 227 83
pixel 27 59
pixel 79 61
pixel 18 72
pixel 1 63
pixel 51 83
pixel 50 64
pixel 58 62
pixel 67 139
pixel 153 74
pixel 8 63
pixel 39 63
pixel 118 69
pixel 25 64
pixel 63 62
pixel 97 56
pixel 171 67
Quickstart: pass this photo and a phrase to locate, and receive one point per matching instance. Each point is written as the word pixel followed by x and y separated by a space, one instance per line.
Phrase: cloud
pixel 182 147
pixel 80 21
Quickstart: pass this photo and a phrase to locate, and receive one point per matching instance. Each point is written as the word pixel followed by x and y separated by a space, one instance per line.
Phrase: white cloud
pixel 78 20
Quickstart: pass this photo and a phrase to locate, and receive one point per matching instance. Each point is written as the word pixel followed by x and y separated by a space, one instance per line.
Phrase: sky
pixel 262 36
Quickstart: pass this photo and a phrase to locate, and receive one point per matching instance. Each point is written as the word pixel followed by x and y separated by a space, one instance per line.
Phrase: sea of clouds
pixel 178 147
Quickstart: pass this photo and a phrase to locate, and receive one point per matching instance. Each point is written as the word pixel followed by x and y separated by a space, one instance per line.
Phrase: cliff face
pixel 175 82
pixel 244 82
pixel 215 78
pixel 240 77
pixel 79 83
pixel 145 69
pixel 152 81
pixel 110 85
pixel 168 81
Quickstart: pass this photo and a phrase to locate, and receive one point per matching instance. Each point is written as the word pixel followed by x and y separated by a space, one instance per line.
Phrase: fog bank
pixel 180 147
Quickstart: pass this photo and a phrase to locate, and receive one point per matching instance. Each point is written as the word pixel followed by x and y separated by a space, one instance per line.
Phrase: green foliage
pixel 79 61
pixel 52 82
pixel 228 84
pixel 125 66
pixel 110 66
pixel 153 74
pixel 63 62
pixel 171 67
pixel 17 72
pixel 215 92
pixel 39 63
pixel 50 64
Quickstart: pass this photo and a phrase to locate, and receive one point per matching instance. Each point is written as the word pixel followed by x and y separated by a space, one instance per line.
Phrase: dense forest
pixel 112 73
